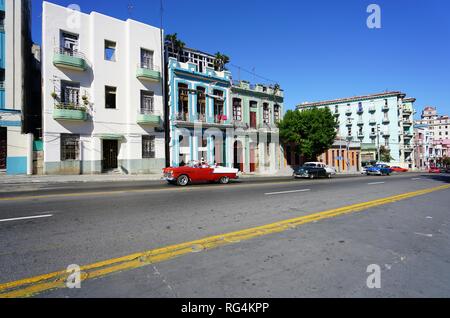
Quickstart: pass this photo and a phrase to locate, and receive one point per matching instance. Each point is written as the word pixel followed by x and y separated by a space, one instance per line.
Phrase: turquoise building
pixel 375 120
pixel 199 120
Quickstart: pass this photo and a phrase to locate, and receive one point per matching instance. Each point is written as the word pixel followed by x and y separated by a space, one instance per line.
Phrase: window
pixel 69 42
pixel 110 51
pixel 147 102
pixel 218 105
pixel 70 145
pixel 237 109
pixel 183 102
pixel 276 113
pixel 110 97
pixel 148 147
pixel 70 94
pixel 147 59
pixel 201 103
pixel 266 114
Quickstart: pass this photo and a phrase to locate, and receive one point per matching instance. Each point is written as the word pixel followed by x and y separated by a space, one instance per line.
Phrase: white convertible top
pixel 225 170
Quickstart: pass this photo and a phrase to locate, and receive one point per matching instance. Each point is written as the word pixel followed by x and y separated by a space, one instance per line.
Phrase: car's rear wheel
pixel 182 180
pixel 311 176
pixel 224 180
pixel 329 175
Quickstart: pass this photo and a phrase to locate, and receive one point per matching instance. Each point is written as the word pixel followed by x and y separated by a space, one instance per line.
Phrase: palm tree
pixel 176 44
pixel 221 61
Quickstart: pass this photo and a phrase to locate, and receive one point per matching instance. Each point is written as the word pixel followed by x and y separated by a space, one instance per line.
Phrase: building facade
pixel 256 109
pixel 423 149
pixel 17 109
pixel 344 156
pixel 102 93
pixel 439 131
pixel 199 109
pixel 375 120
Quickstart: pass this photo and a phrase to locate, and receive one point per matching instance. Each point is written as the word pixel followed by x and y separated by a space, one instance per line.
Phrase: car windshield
pixel 196 164
pixel 309 165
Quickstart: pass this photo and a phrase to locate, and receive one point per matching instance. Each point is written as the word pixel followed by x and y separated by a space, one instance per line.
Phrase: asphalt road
pixel 84 224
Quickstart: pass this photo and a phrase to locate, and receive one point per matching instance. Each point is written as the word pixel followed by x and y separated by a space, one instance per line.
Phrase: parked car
pixel 398 169
pixel 434 170
pixel 379 169
pixel 330 170
pixel 311 172
pixel 196 172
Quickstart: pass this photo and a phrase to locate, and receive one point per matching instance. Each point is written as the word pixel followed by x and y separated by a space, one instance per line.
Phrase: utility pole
pixel 378 143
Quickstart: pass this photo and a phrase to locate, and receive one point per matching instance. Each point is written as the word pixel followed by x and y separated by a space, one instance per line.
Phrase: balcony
pixel 373 135
pixel 408 135
pixel 360 135
pixel 372 109
pixel 360 122
pixel 360 111
pixel 349 123
pixel 386 134
pixel 408 148
pixel 407 123
pixel 386 121
pixel 385 108
pixel 149 118
pixel 69 59
pixel 348 112
pixel 372 122
pixel 336 114
pixel 147 72
pixel 69 112
pixel 407 112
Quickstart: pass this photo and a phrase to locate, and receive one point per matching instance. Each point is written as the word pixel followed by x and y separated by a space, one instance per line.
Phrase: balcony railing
pixel 70 59
pixel 372 109
pixel 182 116
pixel 372 122
pixel 147 116
pixel 386 121
pixel 386 108
pixel 148 72
pixel 69 111
pixel 348 111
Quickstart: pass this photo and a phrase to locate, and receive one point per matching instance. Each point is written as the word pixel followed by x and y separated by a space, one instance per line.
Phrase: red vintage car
pixel 196 172
pixel 399 169
pixel 434 170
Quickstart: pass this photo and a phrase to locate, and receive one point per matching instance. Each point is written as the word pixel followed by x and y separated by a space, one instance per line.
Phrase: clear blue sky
pixel 315 49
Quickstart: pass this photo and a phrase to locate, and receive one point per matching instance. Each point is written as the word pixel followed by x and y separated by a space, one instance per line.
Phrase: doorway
pixel 238 161
pixel 3 147
pixel 110 152
pixel 252 157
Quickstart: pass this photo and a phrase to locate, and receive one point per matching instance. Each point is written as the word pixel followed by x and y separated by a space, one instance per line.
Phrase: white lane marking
pixel 416 179
pixel 422 234
pixel 27 218
pixel 374 183
pixel 286 192
pixel 429 217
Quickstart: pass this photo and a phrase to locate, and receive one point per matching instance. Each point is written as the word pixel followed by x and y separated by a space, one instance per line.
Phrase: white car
pixel 329 170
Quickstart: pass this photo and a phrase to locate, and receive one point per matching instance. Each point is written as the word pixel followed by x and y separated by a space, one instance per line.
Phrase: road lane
pixel 88 229
pixel 34 285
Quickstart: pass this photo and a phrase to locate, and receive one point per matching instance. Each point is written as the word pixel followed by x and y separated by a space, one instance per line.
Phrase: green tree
pixel 385 154
pixel 176 44
pixel 313 131
pixel 446 161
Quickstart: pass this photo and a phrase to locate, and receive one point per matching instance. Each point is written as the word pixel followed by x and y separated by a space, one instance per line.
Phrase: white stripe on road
pixel 374 183
pixel 423 234
pixel 286 192
pixel 416 179
pixel 27 218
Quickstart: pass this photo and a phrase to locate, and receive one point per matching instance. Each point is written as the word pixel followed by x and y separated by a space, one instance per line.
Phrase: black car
pixel 311 172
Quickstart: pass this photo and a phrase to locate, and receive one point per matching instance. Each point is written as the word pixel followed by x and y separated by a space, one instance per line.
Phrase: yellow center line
pixel 35 285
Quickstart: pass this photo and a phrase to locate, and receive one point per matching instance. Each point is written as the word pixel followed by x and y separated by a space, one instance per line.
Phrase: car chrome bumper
pixel 168 179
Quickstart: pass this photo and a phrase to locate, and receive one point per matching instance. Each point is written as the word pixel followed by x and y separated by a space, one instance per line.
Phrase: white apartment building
pixel 102 94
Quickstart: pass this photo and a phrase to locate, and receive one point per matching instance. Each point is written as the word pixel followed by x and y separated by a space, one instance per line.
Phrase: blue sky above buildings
pixel 316 50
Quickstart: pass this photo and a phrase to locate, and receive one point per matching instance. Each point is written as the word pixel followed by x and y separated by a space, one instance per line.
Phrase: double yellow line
pixel 34 285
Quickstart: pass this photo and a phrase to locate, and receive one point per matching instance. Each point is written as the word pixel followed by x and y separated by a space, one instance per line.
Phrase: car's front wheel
pixel 224 180
pixel 182 180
